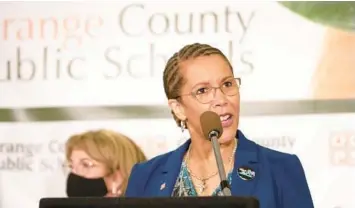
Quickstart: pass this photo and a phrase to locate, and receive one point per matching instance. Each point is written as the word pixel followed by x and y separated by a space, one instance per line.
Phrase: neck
pixel 202 150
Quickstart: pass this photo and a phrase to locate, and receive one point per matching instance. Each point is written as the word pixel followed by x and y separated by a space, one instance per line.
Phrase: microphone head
pixel 211 125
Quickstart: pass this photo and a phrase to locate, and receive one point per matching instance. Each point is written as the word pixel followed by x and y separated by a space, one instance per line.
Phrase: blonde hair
pixel 116 151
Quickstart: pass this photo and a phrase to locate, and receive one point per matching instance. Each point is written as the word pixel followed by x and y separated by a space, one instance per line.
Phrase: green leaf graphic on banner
pixel 334 14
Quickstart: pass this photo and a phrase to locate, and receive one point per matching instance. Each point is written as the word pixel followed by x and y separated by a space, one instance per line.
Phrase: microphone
pixel 212 130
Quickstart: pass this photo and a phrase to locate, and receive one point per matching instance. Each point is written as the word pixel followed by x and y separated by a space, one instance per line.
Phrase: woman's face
pixel 203 74
pixel 83 165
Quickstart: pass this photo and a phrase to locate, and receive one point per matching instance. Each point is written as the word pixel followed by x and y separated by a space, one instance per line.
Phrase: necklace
pixel 201 187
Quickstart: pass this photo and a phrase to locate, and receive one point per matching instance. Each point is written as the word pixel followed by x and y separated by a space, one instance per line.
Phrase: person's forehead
pixel 78 154
pixel 211 68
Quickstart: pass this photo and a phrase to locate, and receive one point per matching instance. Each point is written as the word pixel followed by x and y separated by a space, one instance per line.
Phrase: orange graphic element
pixel 335 76
pixel 65 29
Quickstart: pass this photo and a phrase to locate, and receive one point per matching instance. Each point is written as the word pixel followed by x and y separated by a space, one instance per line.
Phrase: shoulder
pixel 283 162
pixel 145 176
pixel 142 172
pixel 283 165
pixel 151 164
pixel 289 177
pixel 276 157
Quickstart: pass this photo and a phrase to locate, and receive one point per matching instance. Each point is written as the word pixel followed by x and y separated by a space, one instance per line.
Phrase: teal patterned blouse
pixel 184 186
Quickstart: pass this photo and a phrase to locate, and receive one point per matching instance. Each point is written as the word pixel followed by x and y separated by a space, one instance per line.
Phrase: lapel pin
pixel 162 186
pixel 246 173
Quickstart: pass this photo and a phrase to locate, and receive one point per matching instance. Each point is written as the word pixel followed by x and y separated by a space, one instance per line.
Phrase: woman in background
pixel 100 163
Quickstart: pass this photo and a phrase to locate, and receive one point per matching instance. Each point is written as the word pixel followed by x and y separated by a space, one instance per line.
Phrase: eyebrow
pixel 87 159
pixel 200 83
pixel 205 82
pixel 82 159
pixel 225 78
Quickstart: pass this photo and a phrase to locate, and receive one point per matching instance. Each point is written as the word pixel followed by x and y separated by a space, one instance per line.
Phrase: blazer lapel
pixel 171 170
pixel 245 172
pixel 246 167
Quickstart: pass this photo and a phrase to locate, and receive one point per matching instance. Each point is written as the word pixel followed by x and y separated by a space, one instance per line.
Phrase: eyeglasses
pixel 206 94
pixel 83 167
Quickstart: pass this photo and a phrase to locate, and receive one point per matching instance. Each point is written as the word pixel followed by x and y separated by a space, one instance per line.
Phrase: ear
pixel 177 108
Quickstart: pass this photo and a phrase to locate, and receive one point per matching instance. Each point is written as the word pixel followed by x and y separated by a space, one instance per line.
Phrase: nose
pixel 220 99
pixel 75 169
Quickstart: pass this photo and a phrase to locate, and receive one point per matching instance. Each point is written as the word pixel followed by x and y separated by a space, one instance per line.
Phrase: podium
pixel 166 202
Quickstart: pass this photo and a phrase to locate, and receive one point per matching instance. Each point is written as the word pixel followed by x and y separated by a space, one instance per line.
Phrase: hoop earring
pixel 183 126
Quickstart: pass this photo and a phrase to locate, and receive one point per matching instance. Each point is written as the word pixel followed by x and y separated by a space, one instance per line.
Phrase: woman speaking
pixel 199 78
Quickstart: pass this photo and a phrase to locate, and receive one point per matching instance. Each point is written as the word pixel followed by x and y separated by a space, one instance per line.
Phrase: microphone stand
pixel 225 187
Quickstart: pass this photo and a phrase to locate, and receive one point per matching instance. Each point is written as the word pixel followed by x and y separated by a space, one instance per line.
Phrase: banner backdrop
pixel 71 67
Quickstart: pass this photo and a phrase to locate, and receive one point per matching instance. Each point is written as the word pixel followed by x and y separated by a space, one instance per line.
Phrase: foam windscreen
pixel 210 121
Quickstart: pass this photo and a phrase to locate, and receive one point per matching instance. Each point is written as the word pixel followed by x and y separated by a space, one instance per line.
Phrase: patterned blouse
pixel 184 186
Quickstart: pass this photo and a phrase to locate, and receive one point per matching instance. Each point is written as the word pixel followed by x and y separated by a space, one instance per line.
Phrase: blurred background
pixel 74 66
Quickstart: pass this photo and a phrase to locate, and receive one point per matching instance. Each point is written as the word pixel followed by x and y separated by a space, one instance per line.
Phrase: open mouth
pixel 225 117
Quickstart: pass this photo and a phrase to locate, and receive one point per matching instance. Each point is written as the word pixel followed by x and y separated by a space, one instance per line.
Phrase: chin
pixel 228 135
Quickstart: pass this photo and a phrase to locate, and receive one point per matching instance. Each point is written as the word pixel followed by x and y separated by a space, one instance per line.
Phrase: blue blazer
pixel 279 180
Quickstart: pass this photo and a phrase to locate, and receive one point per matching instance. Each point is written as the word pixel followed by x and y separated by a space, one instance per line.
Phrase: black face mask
pixel 82 187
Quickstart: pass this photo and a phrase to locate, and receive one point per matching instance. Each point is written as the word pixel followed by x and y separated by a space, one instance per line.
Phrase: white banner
pixel 77 53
